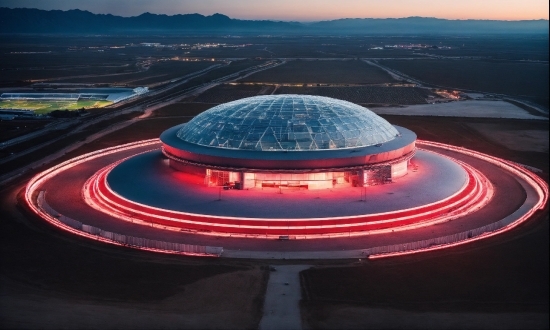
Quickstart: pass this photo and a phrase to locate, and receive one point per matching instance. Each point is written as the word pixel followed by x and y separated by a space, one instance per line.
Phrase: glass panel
pixel 287 122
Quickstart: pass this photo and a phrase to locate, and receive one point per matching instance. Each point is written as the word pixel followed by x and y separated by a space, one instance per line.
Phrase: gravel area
pixel 469 108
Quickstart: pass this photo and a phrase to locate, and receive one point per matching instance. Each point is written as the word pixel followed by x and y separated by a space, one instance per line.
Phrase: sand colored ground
pixel 470 108
pixel 353 317
pixel 31 304
pixel 519 140
pixel 491 284
pixel 226 301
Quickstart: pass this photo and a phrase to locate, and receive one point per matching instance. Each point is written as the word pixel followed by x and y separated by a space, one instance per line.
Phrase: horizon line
pixel 290 21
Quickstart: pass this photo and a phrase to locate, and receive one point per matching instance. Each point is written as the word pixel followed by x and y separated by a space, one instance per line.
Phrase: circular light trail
pixel 476 193
pixel 473 195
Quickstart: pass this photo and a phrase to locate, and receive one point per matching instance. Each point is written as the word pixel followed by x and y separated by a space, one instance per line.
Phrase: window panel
pixel 288 122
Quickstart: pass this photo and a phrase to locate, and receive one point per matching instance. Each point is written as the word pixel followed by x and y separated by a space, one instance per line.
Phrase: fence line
pixel 127 240
pixel 517 169
pixel 217 251
pixel 35 182
pixel 442 240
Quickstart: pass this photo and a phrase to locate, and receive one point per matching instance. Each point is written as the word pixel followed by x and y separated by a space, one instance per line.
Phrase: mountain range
pixel 25 20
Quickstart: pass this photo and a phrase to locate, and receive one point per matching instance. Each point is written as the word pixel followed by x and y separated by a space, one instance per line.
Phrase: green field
pixel 46 106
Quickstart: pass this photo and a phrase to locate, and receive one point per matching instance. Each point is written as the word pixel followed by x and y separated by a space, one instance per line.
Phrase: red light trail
pixel 476 193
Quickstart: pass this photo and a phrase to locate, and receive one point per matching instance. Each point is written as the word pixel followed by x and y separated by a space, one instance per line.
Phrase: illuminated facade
pixel 133 189
pixel 299 141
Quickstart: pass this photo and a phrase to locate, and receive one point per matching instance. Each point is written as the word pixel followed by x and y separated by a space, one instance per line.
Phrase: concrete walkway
pixel 282 299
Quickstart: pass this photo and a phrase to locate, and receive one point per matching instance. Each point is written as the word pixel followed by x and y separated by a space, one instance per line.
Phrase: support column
pixel 361 178
pixel 241 179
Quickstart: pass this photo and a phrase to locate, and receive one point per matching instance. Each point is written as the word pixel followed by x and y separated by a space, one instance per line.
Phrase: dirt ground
pixel 521 78
pixel 469 108
pixel 300 72
pixel 346 316
pixel 500 283
pixel 51 279
pixel 226 301
pixel 514 139
pixel 46 273
pixel 495 284
pixel 460 132
pixel 190 109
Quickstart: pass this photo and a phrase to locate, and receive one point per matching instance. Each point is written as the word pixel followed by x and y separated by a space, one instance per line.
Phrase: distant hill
pixel 24 20
pixel 430 25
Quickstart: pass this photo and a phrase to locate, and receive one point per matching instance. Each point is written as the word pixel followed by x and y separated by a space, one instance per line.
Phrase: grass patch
pixel 47 106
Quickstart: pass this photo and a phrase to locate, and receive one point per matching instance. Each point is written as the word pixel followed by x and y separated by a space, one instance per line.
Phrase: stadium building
pixel 98 94
pixel 299 141
pixel 131 195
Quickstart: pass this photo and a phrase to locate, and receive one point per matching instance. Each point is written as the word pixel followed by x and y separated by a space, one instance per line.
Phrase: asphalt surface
pixel 64 195
pixel 148 179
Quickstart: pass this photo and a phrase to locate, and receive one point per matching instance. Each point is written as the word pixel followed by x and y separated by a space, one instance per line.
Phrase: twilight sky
pixel 305 10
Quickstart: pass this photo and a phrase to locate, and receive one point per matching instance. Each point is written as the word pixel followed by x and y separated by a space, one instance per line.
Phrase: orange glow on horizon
pixel 318 10
pixel 308 10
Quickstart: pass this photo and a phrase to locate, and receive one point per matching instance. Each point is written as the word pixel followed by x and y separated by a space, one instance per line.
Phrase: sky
pixel 306 10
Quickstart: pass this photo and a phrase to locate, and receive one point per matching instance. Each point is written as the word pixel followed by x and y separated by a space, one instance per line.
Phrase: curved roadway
pixel 64 195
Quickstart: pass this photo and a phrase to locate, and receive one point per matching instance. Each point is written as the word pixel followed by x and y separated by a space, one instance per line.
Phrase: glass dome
pixel 287 122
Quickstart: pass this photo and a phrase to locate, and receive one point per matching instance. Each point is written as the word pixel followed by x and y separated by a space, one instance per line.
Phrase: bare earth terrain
pixel 519 139
pixel 222 302
pixel 52 279
pixel 500 283
pixel 323 71
pixel 346 317
pixel 34 296
pixel 471 108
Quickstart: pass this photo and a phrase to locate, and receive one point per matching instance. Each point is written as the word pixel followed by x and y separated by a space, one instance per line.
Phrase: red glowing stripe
pixel 534 181
pixel 539 185
pixel 41 178
pixel 102 174
pixel 101 197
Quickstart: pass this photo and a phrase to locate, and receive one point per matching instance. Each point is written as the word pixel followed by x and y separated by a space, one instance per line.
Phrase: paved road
pixel 282 299
pixel 53 126
pixel 64 195
pixel 169 99
pixel 394 73
pixel 176 96
pixel 398 75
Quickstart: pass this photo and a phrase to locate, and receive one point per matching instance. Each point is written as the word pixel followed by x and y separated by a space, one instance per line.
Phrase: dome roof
pixel 287 122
